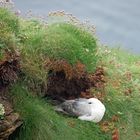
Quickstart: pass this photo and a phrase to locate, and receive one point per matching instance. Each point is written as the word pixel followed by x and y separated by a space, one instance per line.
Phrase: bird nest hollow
pixel 65 81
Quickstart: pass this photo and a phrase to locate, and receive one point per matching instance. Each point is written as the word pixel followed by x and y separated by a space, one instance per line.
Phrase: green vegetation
pixel 38 44
pixel 10 21
pixel 66 41
pixel 121 99
pixel 9 28
pixel 59 41
pixel 42 122
pixel 122 90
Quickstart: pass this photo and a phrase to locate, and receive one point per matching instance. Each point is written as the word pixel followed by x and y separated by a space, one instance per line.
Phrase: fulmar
pixel 85 109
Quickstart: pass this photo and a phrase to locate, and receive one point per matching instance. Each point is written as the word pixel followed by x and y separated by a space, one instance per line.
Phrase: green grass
pixel 59 41
pixel 9 27
pixel 10 20
pixel 71 44
pixel 41 122
pixel 32 39
pixel 122 90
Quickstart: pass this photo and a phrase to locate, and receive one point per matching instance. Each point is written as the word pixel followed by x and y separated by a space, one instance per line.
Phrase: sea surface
pixel 117 21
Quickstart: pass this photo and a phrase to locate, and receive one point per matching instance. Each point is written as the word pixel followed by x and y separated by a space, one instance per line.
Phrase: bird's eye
pixel 89 102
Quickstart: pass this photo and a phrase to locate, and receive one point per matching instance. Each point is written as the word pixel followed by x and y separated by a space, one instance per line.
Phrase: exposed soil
pixel 9 69
pixel 8 73
pixel 61 87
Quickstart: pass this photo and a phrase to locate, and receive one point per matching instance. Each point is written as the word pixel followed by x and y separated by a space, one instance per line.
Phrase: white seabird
pixel 85 109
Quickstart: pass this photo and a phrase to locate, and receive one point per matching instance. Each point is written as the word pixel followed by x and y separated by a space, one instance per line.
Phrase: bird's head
pixel 93 101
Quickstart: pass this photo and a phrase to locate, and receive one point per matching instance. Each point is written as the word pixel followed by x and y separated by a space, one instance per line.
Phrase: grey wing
pixel 81 100
pixel 81 107
pixel 76 107
pixel 73 107
pixel 68 106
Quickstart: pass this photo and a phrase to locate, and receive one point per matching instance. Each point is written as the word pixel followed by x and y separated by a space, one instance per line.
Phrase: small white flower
pixel 107 51
pixel 1 110
pixel 87 50
pixel 120 113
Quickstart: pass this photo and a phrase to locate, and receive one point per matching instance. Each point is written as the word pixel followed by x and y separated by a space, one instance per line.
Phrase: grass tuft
pixel 59 41
pixel 9 28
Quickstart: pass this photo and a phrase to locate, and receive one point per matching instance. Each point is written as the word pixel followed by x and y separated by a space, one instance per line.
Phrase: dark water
pixel 117 21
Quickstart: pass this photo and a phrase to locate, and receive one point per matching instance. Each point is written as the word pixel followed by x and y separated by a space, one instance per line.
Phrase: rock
pixel 11 119
pixel 9 125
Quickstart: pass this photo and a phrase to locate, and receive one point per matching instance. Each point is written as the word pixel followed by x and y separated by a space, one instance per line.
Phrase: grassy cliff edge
pixel 40 45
